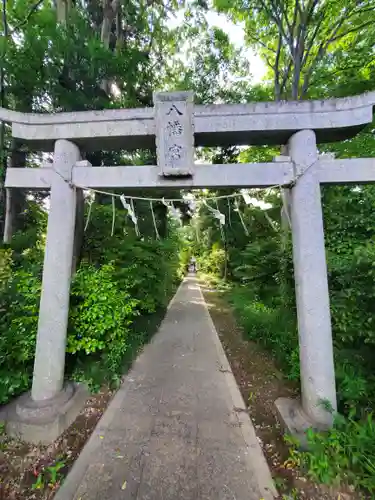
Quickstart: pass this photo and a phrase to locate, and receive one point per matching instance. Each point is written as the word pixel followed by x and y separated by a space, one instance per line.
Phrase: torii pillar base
pixel 295 422
pixel 42 422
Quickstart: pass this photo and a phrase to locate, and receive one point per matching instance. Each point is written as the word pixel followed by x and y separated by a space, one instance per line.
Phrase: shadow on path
pixel 176 428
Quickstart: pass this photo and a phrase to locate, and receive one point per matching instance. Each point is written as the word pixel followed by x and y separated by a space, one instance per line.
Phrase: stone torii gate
pixel 175 126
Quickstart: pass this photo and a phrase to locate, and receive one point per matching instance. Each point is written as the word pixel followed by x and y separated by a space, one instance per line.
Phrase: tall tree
pixel 205 61
pixel 18 95
pixel 296 36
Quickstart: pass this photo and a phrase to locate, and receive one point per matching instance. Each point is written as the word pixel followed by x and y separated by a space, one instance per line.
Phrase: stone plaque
pixel 174 133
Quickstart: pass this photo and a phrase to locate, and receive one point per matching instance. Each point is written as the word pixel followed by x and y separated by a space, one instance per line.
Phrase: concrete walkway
pixel 174 430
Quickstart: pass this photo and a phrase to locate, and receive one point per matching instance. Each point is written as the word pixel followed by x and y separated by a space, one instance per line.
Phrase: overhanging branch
pixel 29 14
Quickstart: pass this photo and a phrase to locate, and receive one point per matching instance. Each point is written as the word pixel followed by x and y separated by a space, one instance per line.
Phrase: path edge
pixel 258 461
pixel 70 485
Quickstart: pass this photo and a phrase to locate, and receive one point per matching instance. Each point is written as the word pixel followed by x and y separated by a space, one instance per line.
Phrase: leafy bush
pixel 184 258
pixel 20 287
pixel 352 277
pixel 147 268
pixel 28 245
pixel 344 454
pixel 273 327
pixel 213 262
pixel 19 305
pixel 5 266
pixel 355 383
pixel 258 265
pixel 118 279
pixel 152 272
pixel 101 314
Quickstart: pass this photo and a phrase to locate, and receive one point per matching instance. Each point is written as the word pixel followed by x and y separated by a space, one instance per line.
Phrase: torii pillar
pixel 43 414
pixel 318 388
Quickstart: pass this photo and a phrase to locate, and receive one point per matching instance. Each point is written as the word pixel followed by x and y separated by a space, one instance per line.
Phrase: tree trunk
pixel 15 198
pixel 285 213
pixel 79 230
pixel 162 213
pixel 2 178
pixel 111 10
pixel 63 8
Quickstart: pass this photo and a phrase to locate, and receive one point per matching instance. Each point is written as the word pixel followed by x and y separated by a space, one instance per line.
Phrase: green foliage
pixel 28 245
pixel 355 383
pixel 259 264
pixel 147 268
pixel 120 278
pixel 320 44
pixel 19 303
pixel 315 49
pixel 101 314
pixel 262 296
pixel 49 476
pixel 344 454
pixel 210 57
pixel 184 257
pixel 139 281
pixel 5 266
pixel 350 242
pixel 213 261
pixel 272 326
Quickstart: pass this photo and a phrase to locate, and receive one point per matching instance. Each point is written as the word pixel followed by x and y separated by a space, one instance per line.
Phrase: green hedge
pixel 119 278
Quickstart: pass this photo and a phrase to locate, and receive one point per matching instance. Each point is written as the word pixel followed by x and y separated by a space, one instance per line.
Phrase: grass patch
pixel 343 455
pixel 269 325
pixel 346 453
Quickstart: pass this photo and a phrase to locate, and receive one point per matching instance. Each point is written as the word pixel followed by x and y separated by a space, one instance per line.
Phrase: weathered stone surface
pixel 174 121
pixel 50 409
pixel 193 445
pixel 58 258
pixel 141 177
pixel 310 271
pixel 215 125
pixel 295 421
pixel 346 170
pixel 329 171
pixel 43 422
pixel 175 133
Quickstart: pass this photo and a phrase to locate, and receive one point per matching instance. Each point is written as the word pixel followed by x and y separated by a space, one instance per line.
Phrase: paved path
pixel 172 431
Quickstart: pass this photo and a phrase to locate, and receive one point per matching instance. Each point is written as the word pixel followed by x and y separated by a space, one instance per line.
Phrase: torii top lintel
pixel 213 125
